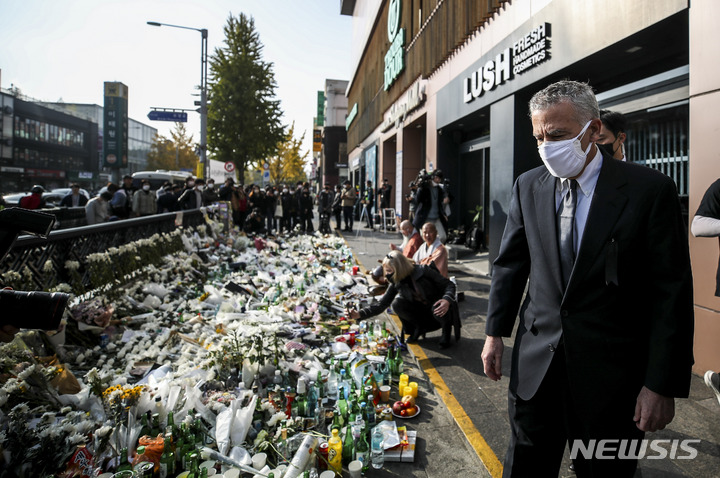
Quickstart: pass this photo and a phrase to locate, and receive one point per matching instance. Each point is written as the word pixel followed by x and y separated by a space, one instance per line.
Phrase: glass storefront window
pixel 35 130
pixel 658 138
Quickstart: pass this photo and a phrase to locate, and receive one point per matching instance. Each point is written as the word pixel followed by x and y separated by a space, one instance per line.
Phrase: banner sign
pixel 115 126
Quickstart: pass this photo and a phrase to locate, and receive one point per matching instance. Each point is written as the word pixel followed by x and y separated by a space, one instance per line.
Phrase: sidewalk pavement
pixel 470 411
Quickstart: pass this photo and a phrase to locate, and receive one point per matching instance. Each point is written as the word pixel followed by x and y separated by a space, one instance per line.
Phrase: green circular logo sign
pixel 393 19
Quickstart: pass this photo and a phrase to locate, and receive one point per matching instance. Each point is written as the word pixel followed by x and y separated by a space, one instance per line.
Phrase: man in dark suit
pixel 604 342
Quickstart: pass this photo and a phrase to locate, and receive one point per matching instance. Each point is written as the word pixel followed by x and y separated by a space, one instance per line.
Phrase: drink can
pixel 124 474
pixel 144 469
pixel 323 461
pixel 104 340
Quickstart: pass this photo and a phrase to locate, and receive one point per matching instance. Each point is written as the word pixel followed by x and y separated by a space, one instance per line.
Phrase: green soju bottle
pixel 167 459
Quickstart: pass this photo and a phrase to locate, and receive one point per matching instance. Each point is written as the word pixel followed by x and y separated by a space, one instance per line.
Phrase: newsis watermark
pixel 612 449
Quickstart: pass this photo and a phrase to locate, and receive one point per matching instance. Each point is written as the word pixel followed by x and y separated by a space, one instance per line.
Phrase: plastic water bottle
pixel 377 454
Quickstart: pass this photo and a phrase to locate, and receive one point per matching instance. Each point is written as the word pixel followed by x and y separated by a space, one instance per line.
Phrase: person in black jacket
pixel 254 223
pixel 75 198
pixel 337 207
pixel 167 200
pixel 422 298
pixel 288 207
pixel 270 205
pixel 325 201
pixel 193 198
pixel 305 208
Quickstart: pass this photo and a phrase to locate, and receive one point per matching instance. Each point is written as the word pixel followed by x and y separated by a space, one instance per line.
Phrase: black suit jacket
pixel 626 317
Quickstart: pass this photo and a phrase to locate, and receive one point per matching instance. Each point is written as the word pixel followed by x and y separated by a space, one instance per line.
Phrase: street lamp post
pixel 203 92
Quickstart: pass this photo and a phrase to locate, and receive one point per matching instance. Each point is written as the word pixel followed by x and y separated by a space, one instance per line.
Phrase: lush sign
pixel 526 53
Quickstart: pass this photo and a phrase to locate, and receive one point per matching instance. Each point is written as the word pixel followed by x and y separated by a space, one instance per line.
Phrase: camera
pixel 33 310
pixel 29 310
pixel 422 178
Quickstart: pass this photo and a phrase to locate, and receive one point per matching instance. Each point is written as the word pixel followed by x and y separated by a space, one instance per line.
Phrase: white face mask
pixel 566 158
pixel 146 187
pixel 191 184
pixel 200 187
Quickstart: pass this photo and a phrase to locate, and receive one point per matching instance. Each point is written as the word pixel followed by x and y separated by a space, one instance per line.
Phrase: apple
pixel 408 401
pixel 398 407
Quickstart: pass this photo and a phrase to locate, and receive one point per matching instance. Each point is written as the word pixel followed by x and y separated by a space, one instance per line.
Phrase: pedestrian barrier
pixel 44 260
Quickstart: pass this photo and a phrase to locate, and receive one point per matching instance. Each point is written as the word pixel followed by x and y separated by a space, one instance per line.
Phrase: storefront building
pixel 446 84
pixel 56 144
pixel 46 147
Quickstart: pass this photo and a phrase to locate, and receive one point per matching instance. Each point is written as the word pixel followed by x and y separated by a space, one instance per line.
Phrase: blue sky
pixel 66 49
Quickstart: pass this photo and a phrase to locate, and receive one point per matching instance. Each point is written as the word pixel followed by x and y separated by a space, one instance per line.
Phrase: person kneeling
pixel 423 299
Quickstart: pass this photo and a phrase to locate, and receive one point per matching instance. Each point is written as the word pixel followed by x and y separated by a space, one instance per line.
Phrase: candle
pixel 407 391
pixel 401 386
pixel 413 389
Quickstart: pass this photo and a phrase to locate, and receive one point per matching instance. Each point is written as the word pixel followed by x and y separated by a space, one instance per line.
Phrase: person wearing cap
pixel 612 134
pixel 431 200
pixel 74 199
pixel 144 202
pixel 348 198
pixel 34 200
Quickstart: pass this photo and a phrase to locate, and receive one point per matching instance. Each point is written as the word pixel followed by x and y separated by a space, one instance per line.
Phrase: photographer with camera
pixel 411 199
pixel 432 200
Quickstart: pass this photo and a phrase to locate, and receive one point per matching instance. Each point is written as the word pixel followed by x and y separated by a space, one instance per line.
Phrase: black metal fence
pixel 46 258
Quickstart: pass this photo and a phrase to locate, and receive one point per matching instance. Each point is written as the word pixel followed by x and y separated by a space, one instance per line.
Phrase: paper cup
pixel 210 465
pixel 232 473
pixel 355 469
pixel 327 474
pixel 258 460
pixel 385 393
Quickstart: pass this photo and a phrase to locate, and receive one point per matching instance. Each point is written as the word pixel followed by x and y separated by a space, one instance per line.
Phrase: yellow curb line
pixel 471 433
pixel 473 436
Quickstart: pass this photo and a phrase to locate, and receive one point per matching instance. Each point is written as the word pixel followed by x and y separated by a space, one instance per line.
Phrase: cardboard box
pixel 403 453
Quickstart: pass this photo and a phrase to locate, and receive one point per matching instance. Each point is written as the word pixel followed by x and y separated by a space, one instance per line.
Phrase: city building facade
pixel 56 144
pixel 441 84
pixel 333 160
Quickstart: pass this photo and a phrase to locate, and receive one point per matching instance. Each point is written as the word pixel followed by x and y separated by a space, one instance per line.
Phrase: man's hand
pixel 492 357
pixel 653 411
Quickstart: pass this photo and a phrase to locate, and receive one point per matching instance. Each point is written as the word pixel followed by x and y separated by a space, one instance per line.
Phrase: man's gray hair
pixel 580 95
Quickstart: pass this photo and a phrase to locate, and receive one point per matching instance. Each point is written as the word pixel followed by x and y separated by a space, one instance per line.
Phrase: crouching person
pixel 423 299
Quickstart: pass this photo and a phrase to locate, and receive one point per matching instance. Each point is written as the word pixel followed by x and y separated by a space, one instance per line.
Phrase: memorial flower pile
pixel 216 337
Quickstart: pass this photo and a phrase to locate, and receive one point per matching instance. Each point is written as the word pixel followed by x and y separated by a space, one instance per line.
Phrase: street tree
pixel 244 114
pixel 287 165
pixel 175 153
